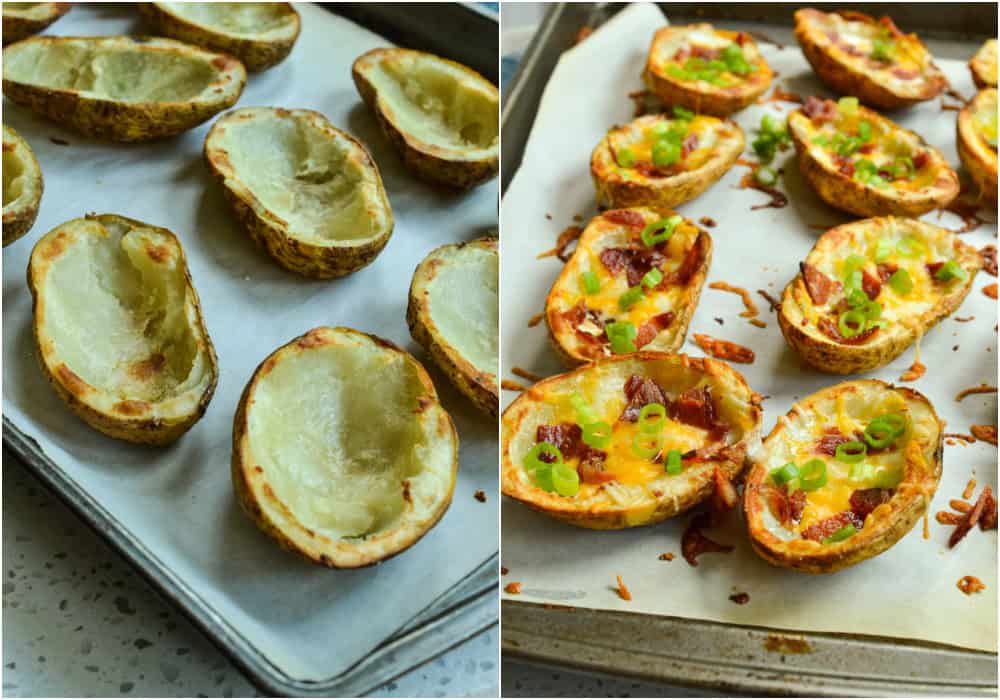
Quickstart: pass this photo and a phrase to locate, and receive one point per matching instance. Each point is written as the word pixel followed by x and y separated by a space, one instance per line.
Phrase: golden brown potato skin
pixel 977 157
pixel 479 387
pixel 18 222
pixel 426 161
pixel 16 28
pixel 983 65
pixel 917 489
pixel 256 54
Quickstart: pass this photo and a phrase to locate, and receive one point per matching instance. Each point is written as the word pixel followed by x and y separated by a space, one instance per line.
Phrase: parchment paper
pixel 910 591
pixel 312 623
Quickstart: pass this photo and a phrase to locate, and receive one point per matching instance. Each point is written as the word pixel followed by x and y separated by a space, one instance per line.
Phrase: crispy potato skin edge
pixel 975 159
pixel 17 28
pixel 19 221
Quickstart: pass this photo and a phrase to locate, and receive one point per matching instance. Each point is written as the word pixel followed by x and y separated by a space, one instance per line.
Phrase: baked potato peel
pixel 22 19
pixel 984 65
pixel 977 142
pixel 22 186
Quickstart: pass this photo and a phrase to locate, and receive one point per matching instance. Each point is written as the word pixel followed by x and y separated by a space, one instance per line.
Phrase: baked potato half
pixel 454 313
pixel 341 451
pixel 119 330
pixel 22 186
pixel 442 117
pixel 704 69
pixel 120 88
pixel 22 19
pixel 977 142
pixel 628 440
pixel 306 192
pixel 843 476
pixel 663 162
pixel 259 34
pixel 984 65
pixel 870 59
pixel 868 289
pixel 862 163
pixel 633 283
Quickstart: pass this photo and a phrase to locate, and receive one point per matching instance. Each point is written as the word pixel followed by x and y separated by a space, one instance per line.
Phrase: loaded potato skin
pixel 633 283
pixel 23 185
pixel 977 142
pixel 843 476
pixel 867 290
pixel 869 59
pixel 984 65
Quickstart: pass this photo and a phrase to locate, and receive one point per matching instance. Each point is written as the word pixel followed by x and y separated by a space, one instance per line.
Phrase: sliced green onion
pixel 872 310
pixel 765 147
pixel 847 105
pixel 785 474
pixel 856 297
pixel 901 282
pixel 813 475
pixel 882 50
pixel 533 460
pixel 865 131
pixel 841 534
pixel 542 476
pixel 676 71
pixel 861 472
pixel 883 250
pixel 626 158
pixel 821 140
pixel 659 231
pixel 851 323
pixel 652 278
pixel 630 298
pixel 647 445
pixel 684 114
pixel 887 478
pixel 589 282
pixel 766 176
pixel 951 270
pixel 651 417
pixel 665 153
pixel 597 434
pixel 895 421
pixel 902 167
pixel 879 435
pixel 621 335
pixel 910 247
pixel 851 452
pixel 660 129
pixel 565 479
pixel 584 413
pixel 673 464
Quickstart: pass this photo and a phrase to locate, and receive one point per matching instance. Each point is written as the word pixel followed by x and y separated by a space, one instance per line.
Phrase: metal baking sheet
pixel 293 627
pixel 716 654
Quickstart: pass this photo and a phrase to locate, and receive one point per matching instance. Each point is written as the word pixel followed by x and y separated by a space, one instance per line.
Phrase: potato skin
pixel 426 161
pixel 479 387
pixel 71 388
pixel 980 161
pixel 876 537
pixel 112 120
pixel 983 65
pixel 18 222
pixel 256 54
pixel 16 28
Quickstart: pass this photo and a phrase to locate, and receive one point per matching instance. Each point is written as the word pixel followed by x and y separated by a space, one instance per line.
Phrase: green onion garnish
pixel 879 435
pixel 847 105
pixel 951 270
pixel 584 413
pixel 681 113
pixel 597 434
pixel 865 131
pixel 841 534
pixel 659 231
pixel 883 250
pixel 565 479
pixel 766 176
pixel 651 417
pixel 851 452
pixel 533 461
pixel 652 278
pixel 861 472
pixel 626 158
pixel 882 50
pixel 785 474
pixel 630 298
pixel 856 297
pixel 673 464
pixel 851 323
pixel 910 247
pixel 660 129
pixel 895 421
pixel 813 475
pixel 647 445
pixel 589 282
pixel 665 153
pixel 621 335
pixel 901 282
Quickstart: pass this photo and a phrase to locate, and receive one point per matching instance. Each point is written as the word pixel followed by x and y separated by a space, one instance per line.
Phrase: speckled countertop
pixel 78 621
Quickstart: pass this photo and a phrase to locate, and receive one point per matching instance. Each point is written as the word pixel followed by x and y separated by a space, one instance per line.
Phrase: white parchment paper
pixel 312 623
pixel 910 591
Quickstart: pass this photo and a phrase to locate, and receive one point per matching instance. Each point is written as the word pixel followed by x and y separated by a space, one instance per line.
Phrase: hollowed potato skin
pixel 19 221
pixel 256 54
pixel 980 161
pixel 16 28
pixel 876 537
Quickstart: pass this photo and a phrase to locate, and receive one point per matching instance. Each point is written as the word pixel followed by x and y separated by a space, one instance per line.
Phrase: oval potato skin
pixel 106 409
pixel 843 192
pixel 983 65
pixel 884 526
pixel 479 386
pixel 634 504
pixel 604 232
pixel 846 76
pixel 822 352
pixel 20 213
pixel 619 187
pixel 700 96
pixel 19 24
pixel 274 517
pixel 267 227
pixel 257 51
pixel 103 117
pixel 977 155
pixel 451 166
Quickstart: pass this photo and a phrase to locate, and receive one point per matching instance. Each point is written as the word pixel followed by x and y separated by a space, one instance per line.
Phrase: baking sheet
pixel 309 622
pixel 908 592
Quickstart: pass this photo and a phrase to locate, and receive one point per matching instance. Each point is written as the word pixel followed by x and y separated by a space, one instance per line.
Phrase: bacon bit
pixel 653 327
pixel 740 598
pixel 981 389
pixel 774 303
pixel 778 198
pixel 864 501
pixel 623 591
pixel 511 385
pixel 968 439
pixel 947 518
pixel 970 584
pixel 480 496
pixel 514 587
pixel 959 506
pixel 695 407
pixel 504 571
pixel 694 543
pixel 986 433
pixel 757 322
pixel 625 217
pixel 885 271
pixel 525 374
pixel 990 290
pixel 569 234
pixel 966 210
pixel 871 285
pixel 819 110
pixel 989 255
pixel 780 95
pixel 819 285
pixel 536 319
pixel 831 440
pixel 710 222
pixel 591 468
pixel 666 556
pixel 971 518
pixel 964 319
pixel 970 488
pixel 915 372
pixel 641 391
pixel 817 532
pixel 751 308
pixel 724 498
pixel 724 349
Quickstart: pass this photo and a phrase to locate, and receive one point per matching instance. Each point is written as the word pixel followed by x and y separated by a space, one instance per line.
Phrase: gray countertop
pixel 78 621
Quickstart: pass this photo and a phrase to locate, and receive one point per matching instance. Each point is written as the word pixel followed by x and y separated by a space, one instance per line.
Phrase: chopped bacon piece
pixel 829 327
pixel 871 285
pixel 724 498
pixel 615 259
pixel 693 259
pixel 741 598
pixel 694 543
pixel 817 532
pixel 933 267
pixel 695 407
pixel 905 73
pixel 988 520
pixel 690 144
pixel 709 54
pixel 641 391
pixel 827 445
pixel 864 501
pixel 819 110
pixel 867 148
pixel 990 290
pixel 921 159
pixel 625 217
pixel 786 508
pixel 844 165
pixel 971 518
pixel 635 262
pixel 970 584
pixel 724 349
pixel 568 437
pixel 650 329
pixel 886 270
pixel 986 433
pixel 592 471
pixel 820 286
pixel 989 256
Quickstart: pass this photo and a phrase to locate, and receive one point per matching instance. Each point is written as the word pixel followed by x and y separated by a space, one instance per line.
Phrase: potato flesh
pixel 310 179
pixel 436 102
pixel 464 306
pixel 13 182
pixel 239 18
pixel 335 430
pixel 117 317
pixel 109 72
